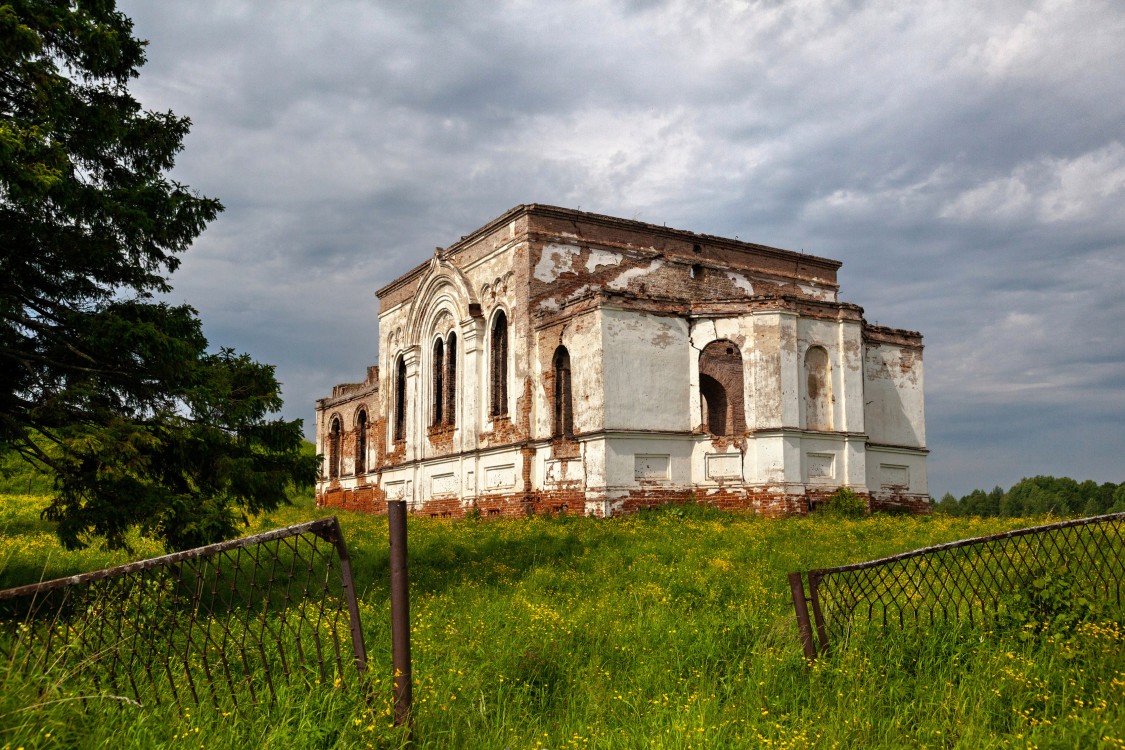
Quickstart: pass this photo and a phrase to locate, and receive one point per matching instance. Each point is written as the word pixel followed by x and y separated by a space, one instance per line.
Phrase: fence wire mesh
pixel 228 624
pixel 969 581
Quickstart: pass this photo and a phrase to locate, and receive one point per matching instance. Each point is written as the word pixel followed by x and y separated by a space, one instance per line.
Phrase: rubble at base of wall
pixel 764 502
pixel 901 503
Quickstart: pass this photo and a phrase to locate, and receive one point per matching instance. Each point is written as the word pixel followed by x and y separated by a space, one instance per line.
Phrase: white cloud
pixel 1090 186
pixel 1059 40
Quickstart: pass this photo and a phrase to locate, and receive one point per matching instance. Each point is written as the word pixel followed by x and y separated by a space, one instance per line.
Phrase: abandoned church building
pixel 561 361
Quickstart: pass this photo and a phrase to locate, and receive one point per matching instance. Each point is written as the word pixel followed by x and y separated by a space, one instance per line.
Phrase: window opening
pixel 563 425
pixel 400 399
pixel 334 449
pixel 721 389
pixel 714 405
pixel 439 381
pixel 499 366
pixel 361 443
pixel 451 380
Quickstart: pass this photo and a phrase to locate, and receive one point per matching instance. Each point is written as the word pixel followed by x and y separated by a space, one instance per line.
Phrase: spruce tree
pixel 114 391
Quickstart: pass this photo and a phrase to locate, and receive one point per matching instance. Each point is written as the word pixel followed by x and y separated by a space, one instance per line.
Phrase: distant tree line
pixel 1060 496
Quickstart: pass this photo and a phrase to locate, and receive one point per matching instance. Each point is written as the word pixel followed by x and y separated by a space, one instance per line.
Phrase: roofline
pixel 542 209
pixel 614 221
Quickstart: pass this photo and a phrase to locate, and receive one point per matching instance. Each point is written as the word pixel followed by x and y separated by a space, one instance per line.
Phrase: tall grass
pixel 669 629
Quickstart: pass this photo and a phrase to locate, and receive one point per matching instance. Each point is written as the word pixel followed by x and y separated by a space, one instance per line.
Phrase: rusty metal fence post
pixel 347 583
pixel 818 614
pixel 400 613
pixel 800 606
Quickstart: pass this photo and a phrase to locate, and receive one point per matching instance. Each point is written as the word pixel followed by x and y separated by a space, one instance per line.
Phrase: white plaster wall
pixel 775 370
pixel 505 464
pixel 392 342
pixel 850 346
pixel 768 460
pixel 884 466
pixel 441 479
pixel 704 452
pixel 894 411
pixel 844 454
pixel 646 362
pixel 855 462
pixel 621 462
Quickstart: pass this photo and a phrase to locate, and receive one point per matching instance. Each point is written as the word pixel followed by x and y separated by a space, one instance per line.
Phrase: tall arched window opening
pixel 498 366
pixel 361 442
pixel 563 424
pixel 451 380
pixel 334 449
pixel 721 389
pixel 400 399
pixel 439 382
pixel 818 390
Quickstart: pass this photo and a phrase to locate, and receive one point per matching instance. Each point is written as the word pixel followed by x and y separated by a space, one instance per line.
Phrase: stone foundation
pixel 771 504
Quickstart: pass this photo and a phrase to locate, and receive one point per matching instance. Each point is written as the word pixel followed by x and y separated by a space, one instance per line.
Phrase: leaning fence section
pixel 968 581
pixel 226 624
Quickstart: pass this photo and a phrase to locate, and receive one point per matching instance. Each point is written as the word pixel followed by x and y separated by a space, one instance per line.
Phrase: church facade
pixel 567 362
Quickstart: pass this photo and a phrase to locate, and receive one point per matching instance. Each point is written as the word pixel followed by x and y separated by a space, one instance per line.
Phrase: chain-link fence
pixel 228 623
pixel 969 581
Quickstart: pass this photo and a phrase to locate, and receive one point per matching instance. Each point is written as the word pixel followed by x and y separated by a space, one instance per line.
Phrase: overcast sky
pixel 965 161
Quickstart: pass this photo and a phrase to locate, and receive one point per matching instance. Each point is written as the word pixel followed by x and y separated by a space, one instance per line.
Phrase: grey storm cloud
pixel 966 162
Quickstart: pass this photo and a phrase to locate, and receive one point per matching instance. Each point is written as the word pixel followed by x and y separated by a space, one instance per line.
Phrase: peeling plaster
pixel 599 258
pixel 817 292
pixel 556 260
pixel 741 282
pixel 623 279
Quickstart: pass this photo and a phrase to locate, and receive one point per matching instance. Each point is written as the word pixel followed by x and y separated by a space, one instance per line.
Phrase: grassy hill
pixel 671 629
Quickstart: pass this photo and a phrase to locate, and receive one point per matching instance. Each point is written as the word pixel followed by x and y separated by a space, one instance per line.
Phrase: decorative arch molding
pixel 443 287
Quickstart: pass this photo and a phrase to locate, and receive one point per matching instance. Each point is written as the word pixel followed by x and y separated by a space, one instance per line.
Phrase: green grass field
pixel 670 629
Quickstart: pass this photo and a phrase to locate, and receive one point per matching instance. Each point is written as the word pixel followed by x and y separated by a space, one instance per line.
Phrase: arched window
pixel 361 442
pixel 818 390
pixel 439 382
pixel 721 388
pixel 451 380
pixel 498 366
pixel 400 399
pixel 563 423
pixel 334 449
